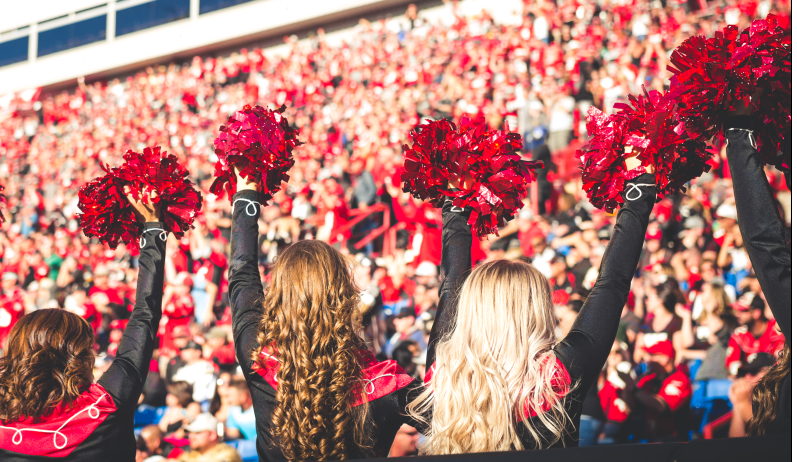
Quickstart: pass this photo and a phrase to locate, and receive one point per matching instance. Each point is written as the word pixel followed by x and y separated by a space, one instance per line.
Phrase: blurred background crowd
pixel 696 331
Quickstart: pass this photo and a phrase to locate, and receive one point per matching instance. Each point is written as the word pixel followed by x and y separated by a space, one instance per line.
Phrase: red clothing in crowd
pixel 391 292
pixel 11 309
pixel 743 344
pixel 112 293
pixel 676 390
pixel 88 312
pixel 177 312
pixel 615 409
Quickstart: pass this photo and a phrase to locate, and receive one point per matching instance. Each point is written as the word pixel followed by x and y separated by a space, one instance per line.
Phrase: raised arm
pixel 124 380
pixel 456 265
pixel 245 288
pixel 587 346
pixel 762 230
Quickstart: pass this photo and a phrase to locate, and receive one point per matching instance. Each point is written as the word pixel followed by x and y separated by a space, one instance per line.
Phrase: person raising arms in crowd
pixel 49 406
pixel 498 380
pixel 765 238
pixel 318 393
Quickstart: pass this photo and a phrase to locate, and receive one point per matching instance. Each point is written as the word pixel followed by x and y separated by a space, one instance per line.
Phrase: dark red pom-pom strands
pixel 491 177
pixel 671 131
pixel 106 212
pixel 260 143
pixel 712 74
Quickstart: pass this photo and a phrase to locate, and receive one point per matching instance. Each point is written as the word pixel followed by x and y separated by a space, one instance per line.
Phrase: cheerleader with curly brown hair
pixel 49 405
pixel 317 391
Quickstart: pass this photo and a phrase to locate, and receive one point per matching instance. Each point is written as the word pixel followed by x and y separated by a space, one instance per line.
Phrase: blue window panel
pixel 150 14
pixel 14 51
pixel 206 6
pixel 72 35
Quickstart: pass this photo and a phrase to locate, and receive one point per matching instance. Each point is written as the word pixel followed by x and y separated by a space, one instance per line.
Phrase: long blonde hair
pixel 496 362
pixel 310 318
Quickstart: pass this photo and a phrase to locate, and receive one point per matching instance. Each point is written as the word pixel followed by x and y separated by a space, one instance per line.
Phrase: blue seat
pixel 694 366
pixel 710 397
pixel 147 415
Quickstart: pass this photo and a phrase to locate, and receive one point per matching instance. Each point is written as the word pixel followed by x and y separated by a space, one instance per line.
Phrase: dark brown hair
pixel 310 321
pixel 183 391
pixel 765 395
pixel 48 362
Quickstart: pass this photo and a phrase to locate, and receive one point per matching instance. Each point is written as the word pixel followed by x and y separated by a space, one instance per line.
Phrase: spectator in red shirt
pixel 77 302
pixel 755 334
pixel 117 331
pixel 178 308
pixel 12 306
pixel 662 394
pixel 614 396
pixel 107 299
pixel 218 349
pixel 563 282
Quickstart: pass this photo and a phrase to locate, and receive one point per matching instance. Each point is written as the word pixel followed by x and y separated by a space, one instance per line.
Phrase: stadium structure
pixel 47 42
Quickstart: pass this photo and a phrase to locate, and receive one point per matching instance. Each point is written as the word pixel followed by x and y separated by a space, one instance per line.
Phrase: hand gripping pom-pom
pixel 260 143
pixel 676 157
pixel 603 169
pixel 491 177
pixel 106 212
pixel 648 124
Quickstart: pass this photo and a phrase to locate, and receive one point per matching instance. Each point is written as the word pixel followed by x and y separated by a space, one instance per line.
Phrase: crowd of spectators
pixel 695 315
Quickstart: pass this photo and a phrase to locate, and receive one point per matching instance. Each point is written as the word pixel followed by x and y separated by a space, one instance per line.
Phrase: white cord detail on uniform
pixel 369 388
pixel 749 134
pixel 253 204
pixel 635 187
pixel 91 410
pixel 142 241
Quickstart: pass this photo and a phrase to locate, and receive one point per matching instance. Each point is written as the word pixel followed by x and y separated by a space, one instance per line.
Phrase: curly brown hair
pixel 48 362
pixel 311 321
pixel 765 395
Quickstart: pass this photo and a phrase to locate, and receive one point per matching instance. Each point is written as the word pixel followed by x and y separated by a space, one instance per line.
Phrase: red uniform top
pixel 743 344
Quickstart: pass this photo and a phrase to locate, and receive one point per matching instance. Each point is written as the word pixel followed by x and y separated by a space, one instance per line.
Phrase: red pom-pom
pixel 712 75
pixel 705 87
pixel 483 163
pixel 676 157
pixel 649 124
pixel 770 69
pixel 429 162
pixel 260 143
pixel 106 212
pixel 603 168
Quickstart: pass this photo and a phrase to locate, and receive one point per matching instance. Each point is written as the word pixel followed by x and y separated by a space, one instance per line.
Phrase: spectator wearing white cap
pixel 204 441
pixel 726 218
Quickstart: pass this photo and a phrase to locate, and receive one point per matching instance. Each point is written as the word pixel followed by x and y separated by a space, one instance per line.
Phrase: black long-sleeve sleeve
pixel 125 378
pixel 456 266
pixel 245 287
pixel 246 302
pixel 763 232
pixel 585 349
